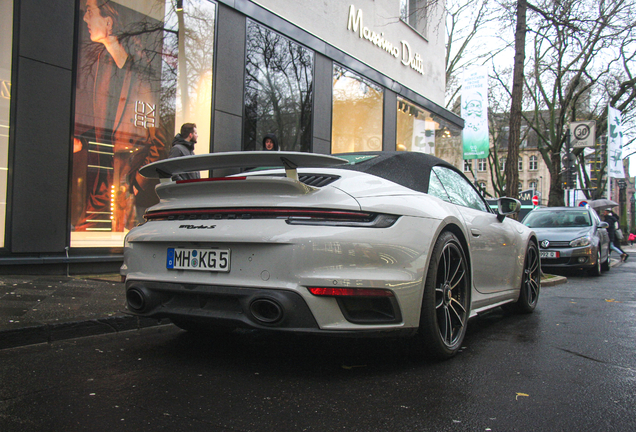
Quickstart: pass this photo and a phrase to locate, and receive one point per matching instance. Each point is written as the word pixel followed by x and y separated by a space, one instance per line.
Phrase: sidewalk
pixel 37 309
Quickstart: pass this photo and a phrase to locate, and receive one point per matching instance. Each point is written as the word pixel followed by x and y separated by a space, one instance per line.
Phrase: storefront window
pixel 415 128
pixel 6 41
pixel 357 113
pixel 278 90
pixel 144 68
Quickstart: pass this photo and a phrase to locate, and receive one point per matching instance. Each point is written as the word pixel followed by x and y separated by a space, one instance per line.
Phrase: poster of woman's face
pixel 117 112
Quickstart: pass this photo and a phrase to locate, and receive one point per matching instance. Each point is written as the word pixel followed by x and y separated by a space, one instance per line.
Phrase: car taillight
pixel 350 292
pixel 291 216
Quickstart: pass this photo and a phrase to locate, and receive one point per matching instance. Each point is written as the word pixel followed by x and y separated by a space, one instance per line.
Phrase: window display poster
pixel 423 136
pixel 118 126
pixel 475 113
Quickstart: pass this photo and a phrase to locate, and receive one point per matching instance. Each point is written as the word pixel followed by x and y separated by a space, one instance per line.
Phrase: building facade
pixel 102 87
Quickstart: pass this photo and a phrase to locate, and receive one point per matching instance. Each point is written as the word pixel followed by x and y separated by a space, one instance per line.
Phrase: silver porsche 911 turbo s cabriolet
pixel 353 244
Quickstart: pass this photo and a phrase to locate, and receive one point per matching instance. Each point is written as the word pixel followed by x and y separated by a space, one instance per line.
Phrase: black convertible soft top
pixel 409 169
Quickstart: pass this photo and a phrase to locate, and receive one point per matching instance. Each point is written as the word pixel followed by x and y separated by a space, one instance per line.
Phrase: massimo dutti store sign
pixel 401 52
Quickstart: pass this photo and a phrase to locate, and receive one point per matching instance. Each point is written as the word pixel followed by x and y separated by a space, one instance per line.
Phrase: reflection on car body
pixel 377 243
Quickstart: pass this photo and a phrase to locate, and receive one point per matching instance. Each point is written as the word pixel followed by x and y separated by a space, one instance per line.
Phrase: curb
pixel 47 333
pixel 553 280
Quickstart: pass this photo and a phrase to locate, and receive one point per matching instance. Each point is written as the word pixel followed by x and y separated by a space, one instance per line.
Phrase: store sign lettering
pixel 145 114
pixel 408 57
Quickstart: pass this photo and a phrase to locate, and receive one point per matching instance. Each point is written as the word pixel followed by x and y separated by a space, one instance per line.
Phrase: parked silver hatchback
pixel 570 237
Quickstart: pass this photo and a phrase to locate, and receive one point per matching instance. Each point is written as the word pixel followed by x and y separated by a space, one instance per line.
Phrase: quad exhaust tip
pixel 266 311
pixel 136 299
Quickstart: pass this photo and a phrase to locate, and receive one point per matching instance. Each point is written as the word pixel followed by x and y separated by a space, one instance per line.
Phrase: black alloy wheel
pixel 446 300
pixel 530 283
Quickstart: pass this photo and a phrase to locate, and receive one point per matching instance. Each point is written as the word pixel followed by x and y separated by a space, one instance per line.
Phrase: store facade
pixel 103 86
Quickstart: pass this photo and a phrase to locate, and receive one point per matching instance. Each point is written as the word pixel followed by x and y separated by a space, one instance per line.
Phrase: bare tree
pixel 581 56
pixel 465 20
pixel 512 167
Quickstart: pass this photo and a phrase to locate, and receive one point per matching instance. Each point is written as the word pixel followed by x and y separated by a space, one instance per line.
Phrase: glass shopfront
pixel 357 113
pixel 415 128
pixel 419 130
pixel 144 68
pixel 278 90
pixel 6 42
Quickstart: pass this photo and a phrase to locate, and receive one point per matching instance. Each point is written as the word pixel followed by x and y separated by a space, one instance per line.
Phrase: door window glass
pixel 460 191
pixel 436 189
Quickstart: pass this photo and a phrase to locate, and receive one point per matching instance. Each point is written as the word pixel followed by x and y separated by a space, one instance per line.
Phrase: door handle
pixel 475 232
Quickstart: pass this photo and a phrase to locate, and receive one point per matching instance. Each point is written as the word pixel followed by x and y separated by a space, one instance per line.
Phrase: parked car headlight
pixel 581 241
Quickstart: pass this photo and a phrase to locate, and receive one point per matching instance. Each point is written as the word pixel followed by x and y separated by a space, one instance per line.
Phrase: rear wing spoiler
pixel 248 159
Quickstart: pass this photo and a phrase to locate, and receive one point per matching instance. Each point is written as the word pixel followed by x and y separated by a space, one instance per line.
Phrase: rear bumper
pixel 220 305
pixel 226 306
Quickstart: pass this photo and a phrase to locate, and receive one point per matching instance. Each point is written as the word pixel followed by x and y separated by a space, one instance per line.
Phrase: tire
pixel 596 270
pixel 530 283
pixel 605 266
pixel 446 300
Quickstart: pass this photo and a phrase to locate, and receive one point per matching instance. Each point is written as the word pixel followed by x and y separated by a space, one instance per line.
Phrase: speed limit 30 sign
pixel 582 134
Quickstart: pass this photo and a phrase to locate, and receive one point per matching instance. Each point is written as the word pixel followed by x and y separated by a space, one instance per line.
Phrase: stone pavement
pixel 41 309
pixel 37 309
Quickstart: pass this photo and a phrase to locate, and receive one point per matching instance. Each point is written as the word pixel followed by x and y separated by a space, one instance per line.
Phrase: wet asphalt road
pixel 570 366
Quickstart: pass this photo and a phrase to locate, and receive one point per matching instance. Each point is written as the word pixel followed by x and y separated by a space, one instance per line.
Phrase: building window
pixel 414 13
pixel 278 90
pixel 357 113
pixel 6 42
pixel 520 163
pixel 482 186
pixel 520 186
pixel 131 99
pixel 533 185
pixel 481 165
pixel 502 164
pixel 534 163
pixel 468 165
pixel 415 128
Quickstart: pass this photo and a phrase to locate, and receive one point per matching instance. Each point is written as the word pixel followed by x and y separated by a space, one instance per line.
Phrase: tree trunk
pixel 512 163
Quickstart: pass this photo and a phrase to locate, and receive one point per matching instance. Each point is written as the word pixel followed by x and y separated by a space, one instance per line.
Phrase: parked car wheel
pixel 530 284
pixel 596 270
pixel 446 302
pixel 605 266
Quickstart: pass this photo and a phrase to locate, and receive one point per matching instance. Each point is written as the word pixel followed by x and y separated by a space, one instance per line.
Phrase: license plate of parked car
pixel 549 254
pixel 217 260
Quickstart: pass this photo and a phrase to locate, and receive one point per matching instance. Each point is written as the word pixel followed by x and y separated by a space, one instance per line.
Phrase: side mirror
pixel 507 206
pixel 603 225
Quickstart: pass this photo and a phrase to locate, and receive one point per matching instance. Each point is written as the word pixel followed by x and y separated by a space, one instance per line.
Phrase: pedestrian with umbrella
pixel 612 221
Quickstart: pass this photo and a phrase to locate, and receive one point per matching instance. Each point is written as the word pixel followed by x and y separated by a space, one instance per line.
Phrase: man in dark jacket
pixel 183 145
pixel 615 246
pixel 270 143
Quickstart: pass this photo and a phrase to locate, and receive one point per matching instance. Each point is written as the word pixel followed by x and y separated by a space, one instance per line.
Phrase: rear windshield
pixel 557 219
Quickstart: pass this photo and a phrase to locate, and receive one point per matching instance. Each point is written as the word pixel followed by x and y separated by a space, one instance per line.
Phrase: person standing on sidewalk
pixel 183 145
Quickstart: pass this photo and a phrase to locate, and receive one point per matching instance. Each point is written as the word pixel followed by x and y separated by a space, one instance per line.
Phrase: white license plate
pixel 549 254
pixel 217 260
